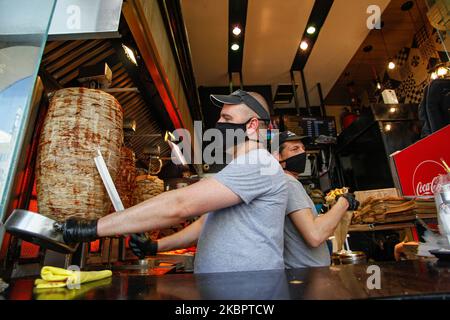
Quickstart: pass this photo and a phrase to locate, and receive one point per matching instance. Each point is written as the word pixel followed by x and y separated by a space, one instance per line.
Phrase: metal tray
pixel 37 229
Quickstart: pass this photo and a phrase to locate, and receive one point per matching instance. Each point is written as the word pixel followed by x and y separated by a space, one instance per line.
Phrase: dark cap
pixel 284 136
pixel 239 97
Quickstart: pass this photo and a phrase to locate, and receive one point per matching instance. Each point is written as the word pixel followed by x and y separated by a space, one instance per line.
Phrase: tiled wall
pixel 413 63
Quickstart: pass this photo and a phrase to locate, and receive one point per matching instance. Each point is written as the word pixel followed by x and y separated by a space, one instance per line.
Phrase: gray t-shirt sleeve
pixel 245 180
pixel 297 197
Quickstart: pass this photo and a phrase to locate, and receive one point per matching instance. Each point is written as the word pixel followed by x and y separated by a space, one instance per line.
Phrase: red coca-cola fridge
pixel 418 166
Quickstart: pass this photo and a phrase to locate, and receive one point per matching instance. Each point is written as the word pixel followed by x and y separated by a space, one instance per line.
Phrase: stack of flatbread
pixel 391 209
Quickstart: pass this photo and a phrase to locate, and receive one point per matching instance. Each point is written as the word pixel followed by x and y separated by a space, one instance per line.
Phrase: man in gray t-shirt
pixel 246 202
pixel 298 253
pixel 305 232
pixel 248 236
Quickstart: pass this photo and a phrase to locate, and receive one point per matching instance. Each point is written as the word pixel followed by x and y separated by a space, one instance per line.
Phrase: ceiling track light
pixel 236 30
pixel 235 47
pixel 440 71
pixel 391 65
pixel 311 30
pixel 304 45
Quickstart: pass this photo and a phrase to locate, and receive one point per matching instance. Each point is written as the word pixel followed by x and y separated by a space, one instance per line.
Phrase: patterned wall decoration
pixel 413 63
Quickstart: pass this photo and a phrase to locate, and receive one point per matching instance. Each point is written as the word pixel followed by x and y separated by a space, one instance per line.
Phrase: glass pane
pixel 23 33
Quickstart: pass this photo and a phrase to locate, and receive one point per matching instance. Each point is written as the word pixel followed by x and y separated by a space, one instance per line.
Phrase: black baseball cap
pixel 238 97
pixel 288 136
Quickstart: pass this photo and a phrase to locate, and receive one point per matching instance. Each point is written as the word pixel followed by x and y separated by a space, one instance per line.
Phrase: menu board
pixel 314 127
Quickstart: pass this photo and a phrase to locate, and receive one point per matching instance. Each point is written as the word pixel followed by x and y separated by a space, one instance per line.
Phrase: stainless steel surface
pixel 143 262
pixel 38 229
pixel 146 265
pixel 184 262
pixel 352 257
pixel 137 265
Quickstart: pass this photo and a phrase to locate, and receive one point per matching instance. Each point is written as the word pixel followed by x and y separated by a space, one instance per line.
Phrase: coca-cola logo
pixel 425 189
pixel 425 177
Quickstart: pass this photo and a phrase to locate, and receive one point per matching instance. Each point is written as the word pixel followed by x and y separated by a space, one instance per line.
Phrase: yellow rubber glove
pixel 53 277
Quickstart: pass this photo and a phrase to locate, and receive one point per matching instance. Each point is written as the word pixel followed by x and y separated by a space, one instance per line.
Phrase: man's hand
pixel 75 231
pixel 143 246
pixel 353 204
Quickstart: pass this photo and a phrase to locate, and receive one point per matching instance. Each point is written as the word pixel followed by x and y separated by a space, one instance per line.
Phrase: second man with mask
pixel 305 232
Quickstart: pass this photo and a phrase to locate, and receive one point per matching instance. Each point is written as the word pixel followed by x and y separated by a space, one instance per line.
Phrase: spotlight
pixel 130 54
pixel 235 47
pixel 311 30
pixel 304 45
pixel 442 71
pixel 388 127
pixel 391 65
pixel 237 31
pixel 393 110
pixel 169 136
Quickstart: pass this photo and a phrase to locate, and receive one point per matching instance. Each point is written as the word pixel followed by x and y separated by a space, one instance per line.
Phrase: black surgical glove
pixel 143 246
pixel 75 230
pixel 353 204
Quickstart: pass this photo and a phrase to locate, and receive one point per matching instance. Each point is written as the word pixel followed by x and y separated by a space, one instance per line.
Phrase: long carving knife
pixel 108 182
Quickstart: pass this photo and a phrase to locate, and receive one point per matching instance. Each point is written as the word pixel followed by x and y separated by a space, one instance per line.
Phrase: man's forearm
pixel 326 224
pixel 156 213
pixel 169 208
pixel 184 238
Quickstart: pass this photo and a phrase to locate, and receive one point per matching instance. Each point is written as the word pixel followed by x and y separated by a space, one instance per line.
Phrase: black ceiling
pixel 237 16
pixel 317 18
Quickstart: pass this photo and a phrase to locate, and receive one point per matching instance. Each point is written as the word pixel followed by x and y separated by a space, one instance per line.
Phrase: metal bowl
pixel 37 229
pixel 354 257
